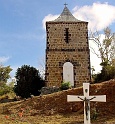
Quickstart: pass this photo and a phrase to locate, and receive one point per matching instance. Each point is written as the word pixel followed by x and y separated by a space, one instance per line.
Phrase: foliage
pixel 4 89
pixel 107 73
pixel 4 73
pixel 4 76
pixel 28 81
pixel 65 85
pixel 94 113
pixel 106 48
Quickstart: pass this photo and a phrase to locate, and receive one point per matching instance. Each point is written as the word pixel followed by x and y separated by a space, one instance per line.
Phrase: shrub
pixel 4 89
pixel 107 73
pixel 65 85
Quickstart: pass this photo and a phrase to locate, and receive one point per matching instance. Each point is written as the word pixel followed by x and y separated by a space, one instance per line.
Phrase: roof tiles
pixel 66 16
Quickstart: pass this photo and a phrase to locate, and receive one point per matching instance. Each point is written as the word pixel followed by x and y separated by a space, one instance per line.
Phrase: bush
pixel 65 85
pixel 107 73
pixel 4 89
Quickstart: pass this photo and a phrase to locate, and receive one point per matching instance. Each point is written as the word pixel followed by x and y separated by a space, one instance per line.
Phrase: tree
pixel 5 89
pixel 28 81
pixel 106 48
pixel 4 73
pixel 4 76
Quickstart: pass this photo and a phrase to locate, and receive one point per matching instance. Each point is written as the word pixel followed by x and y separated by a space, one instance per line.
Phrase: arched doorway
pixel 68 75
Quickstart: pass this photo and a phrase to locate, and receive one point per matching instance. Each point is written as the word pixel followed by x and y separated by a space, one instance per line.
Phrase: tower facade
pixel 67 51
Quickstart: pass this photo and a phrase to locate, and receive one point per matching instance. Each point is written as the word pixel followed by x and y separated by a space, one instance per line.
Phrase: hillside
pixel 56 106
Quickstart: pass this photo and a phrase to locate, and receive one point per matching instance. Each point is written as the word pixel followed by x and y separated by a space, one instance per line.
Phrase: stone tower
pixel 67 51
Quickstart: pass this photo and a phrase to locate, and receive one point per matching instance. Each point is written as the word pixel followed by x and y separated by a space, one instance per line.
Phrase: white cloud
pixel 4 59
pixel 95 61
pixel 49 17
pixel 98 15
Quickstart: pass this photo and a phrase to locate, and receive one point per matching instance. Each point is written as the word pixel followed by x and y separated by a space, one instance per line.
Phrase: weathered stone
pixel 67 41
pixel 49 90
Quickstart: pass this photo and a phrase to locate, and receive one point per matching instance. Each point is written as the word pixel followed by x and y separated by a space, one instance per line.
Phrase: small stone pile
pixel 49 90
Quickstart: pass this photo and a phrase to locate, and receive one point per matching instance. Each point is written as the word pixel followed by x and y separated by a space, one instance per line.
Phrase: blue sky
pixel 22 31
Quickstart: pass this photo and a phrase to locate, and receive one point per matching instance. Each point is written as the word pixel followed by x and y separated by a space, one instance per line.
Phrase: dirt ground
pixel 54 109
pixel 72 118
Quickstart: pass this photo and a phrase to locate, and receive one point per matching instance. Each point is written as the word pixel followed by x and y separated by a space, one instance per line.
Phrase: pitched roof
pixel 66 16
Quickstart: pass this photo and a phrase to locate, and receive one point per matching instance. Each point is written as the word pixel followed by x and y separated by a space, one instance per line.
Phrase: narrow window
pixel 67 35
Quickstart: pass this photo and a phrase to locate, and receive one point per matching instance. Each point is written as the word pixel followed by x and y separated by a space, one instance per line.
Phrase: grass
pixel 42 119
pixel 26 116
pixel 72 118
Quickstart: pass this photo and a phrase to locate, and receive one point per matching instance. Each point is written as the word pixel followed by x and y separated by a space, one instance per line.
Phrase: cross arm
pixel 74 98
pixel 100 98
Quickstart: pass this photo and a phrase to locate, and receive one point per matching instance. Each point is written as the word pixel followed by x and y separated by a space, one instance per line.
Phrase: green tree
pixel 28 81
pixel 4 89
pixel 4 73
pixel 106 48
pixel 4 76
pixel 107 73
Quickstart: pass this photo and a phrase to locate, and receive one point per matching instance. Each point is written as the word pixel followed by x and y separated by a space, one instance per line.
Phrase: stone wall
pixel 59 51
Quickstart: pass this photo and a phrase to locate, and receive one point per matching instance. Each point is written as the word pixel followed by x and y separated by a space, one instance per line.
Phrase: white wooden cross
pixel 86 98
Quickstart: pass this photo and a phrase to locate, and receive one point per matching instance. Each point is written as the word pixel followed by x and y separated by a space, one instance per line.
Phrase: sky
pixel 22 27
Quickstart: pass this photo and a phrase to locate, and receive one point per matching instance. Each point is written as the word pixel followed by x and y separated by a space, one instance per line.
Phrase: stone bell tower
pixel 67 51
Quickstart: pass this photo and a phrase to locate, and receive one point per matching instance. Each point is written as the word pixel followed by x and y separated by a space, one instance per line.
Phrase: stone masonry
pixel 67 41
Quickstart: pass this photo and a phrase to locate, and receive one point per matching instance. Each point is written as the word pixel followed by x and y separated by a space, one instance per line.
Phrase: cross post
pixel 86 99
pixel 65 4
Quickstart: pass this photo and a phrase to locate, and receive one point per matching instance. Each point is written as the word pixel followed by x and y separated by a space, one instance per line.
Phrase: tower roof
pixel 66 16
